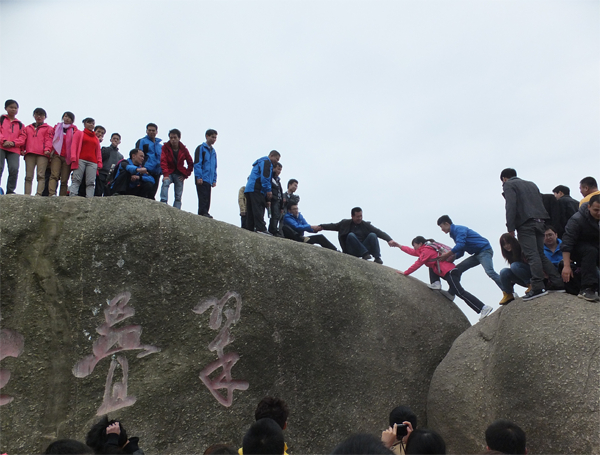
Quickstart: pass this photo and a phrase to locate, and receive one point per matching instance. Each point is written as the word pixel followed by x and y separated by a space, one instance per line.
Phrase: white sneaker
pixel 485 311
pixel 436 286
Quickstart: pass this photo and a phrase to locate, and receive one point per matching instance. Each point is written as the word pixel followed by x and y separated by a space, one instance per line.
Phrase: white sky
pixel 409 109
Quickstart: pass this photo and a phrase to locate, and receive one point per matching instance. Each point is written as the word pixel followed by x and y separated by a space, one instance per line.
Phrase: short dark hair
pixel 506 437
pixel 272 408
pixel 210 132
pixel 68 446
pixel 97 437
pixel 88 120
pixel 220 449
pixel 264 437
pixel 290 181
pixel 9 102
pixel 564 189
pixel 100 127
pixel 593 199
pixel 508 173
pixel 355 210
pixel 279 165
pixel 176 132
pixel 444 219
pixel 70 115
pixel 152 124
pixel 274 153
pixel 403 413
pixel 135 152
pixel 552 228
pixel 115 134
pixel 40 111
pixel 590 182
pixel 361 443
pixel 425 442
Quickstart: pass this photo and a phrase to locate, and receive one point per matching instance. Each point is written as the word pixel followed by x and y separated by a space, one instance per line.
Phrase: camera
pixel 401 431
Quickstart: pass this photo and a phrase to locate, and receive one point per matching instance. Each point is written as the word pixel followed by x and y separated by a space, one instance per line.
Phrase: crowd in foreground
pixel 551 244
pixel 266 437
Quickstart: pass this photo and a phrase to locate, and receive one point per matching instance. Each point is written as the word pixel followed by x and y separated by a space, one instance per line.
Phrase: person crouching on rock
pixel 132 177
pixel 518 272
pixel 447 270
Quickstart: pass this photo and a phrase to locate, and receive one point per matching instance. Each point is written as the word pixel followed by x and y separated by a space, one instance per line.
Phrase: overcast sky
pixel 408 109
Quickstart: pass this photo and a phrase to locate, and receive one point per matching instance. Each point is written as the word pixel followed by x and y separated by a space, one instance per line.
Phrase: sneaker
pixel 589 295
pixel 264 233
pixel 208 215
pixel 534 294
pixel 367 256
pixel 506 298
pixel 447 295
pixel 378 261
pixel 485 311
pixel 436 286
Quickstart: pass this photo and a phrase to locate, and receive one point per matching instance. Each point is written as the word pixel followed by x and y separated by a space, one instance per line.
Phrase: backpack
pixel 440 249
pixel 2 117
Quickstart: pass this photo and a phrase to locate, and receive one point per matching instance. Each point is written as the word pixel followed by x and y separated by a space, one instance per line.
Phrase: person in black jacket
pixel 358 237
pixel 580 243
pixel 567 207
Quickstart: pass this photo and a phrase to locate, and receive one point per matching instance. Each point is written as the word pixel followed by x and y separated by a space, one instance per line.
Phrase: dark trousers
pixel 255 211
pixel 586 255
pixel 144 189
pixel 357 248
pixel 203 192
pixel 453 279
pixel 318 239
pixel 531 238
pixel 243 221
pixel 151 193
pixel 275 218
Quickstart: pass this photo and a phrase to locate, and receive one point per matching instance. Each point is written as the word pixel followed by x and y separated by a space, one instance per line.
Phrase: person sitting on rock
pixel 402 423
pixel 580 243
pixel 359 238
pixel 504 436
pixel 423 442
pixel 294 226
pixel 552 245
pixel 132 178
pixel 110 437
pixel 447 270
pixel 272 408
pixel 265 437
pixel 518 272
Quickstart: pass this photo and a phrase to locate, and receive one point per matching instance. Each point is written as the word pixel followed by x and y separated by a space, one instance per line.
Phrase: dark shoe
pixel 589 295
pixel 208 215
pixel 534 294
pixel 264 233
pixel 367 256
pixel 378 261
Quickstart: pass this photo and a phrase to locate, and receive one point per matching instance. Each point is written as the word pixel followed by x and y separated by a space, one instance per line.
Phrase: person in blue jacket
pixel 467 240
pixel 294 226
pixel 205 171
pixel 131 177
pixel 258 191
pixel 151 146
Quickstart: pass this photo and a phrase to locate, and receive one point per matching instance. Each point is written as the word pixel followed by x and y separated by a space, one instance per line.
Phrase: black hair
pixel 97 437
pixel 552 228
pixel 210 132
pixel 134 152
pixel 425 442
pixel 40 111
pixel 565 190
pixel 421 239
pixel 70 115
pixel 115 134
pixel 9 102
pixel 88 120
pixel 274 153
pixel 176 132
pixel 68 446
pixel 290 181
pixel 152 124
pixel 506 437
pixel 444 219
pixel 272 408
pixel 508 173
pixel 403 413
pixel 264 437
pixel 100 127
pixel 355 210
pixel 515 254
pixel 278 165
pixel 220 449
pixel 593 199
pixel 361 443
pixel 590 182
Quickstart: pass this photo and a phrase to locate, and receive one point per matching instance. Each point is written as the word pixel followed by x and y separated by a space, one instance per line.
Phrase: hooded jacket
pixel 205 163
pixel 167 160
pixel 38 140
pixel 259 180
pixel 427 256
pixel 467 240
pixel 13 131
pixel 581 228
pixel 152 151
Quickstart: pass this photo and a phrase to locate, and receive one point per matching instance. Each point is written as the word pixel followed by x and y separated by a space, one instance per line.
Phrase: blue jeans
pixel 485 259
pixel 164 191
pixel 518 273
pixel 357 248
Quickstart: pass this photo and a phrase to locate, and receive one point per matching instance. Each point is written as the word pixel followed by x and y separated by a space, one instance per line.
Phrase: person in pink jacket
pixel 12 137
pixel 36 151
pixel 61 150
pixel 85 159
pixel 428 255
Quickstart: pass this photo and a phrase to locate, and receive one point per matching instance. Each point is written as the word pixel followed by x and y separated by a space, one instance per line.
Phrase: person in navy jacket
pixel 258 191
pixel 151 146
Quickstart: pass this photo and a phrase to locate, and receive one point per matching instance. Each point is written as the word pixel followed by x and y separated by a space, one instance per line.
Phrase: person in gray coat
pixel 525 214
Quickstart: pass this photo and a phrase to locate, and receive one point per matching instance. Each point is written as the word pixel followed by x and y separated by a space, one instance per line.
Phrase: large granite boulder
pixel 178 325
pixel 535 363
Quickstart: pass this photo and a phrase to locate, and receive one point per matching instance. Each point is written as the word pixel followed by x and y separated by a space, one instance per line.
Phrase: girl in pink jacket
pixel 60 157
pixel 37 149
pixel 428 255
pixel 12 137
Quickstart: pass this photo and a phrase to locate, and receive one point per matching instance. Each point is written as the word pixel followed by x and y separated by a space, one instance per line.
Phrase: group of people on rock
pixel 265 437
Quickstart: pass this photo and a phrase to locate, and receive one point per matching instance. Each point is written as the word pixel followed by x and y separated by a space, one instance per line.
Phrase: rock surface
pixel 535 363
pixel 340 339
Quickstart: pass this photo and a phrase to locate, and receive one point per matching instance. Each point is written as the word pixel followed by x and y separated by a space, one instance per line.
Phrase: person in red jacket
pixel 85 159
pixel 36 150
pixel 174 155
pixel 60 167
pixel 428 256
pixel 12 137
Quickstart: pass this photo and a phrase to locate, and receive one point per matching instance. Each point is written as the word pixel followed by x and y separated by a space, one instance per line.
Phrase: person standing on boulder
pixel 12 137
pixel 152 147
pixel 258 191
pixel 173 157
pixel 525 213
pixel 205 171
